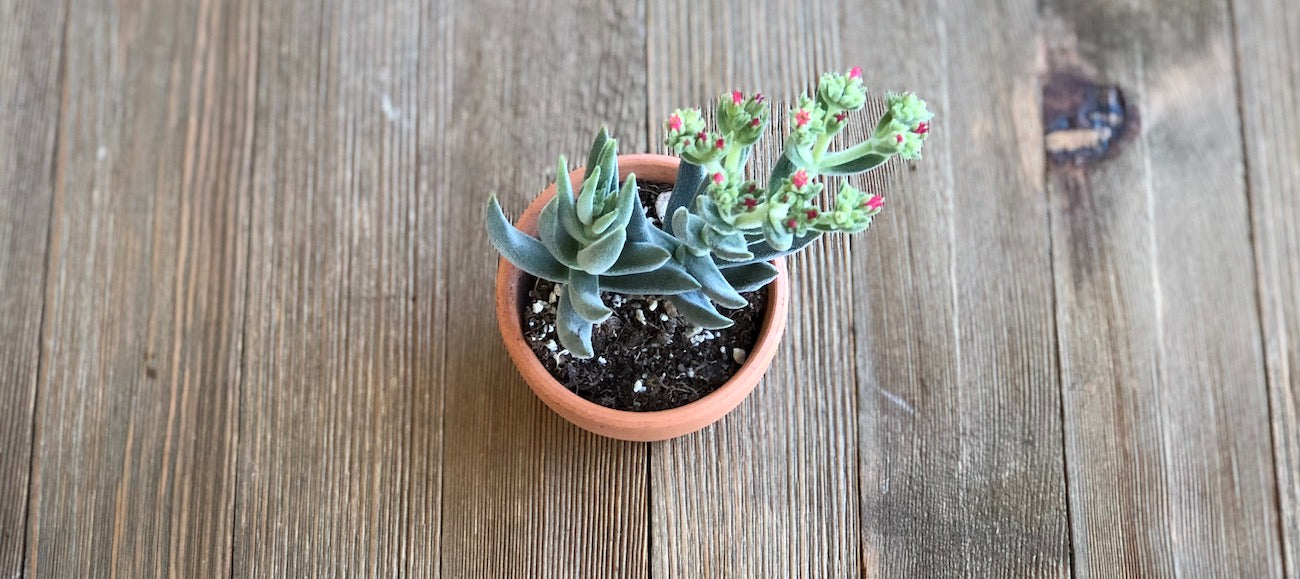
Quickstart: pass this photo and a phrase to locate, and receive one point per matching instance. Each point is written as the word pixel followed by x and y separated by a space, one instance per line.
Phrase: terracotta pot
pixel 512 291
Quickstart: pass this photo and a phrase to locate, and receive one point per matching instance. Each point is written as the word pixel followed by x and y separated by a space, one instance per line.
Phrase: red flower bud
pixel 812 214
pixel 675 123
pixel 700 136
pixel 719 178
pixel 855 72
pixel 792 224
pixel 720 144
pixel 922 128
pixel 899 137
pixel 875 202
pixel 802 117
pixel 758 97
pixel 756 122
pixel 799 179
pixel 737 97
pixel 751 202
pixel 840 116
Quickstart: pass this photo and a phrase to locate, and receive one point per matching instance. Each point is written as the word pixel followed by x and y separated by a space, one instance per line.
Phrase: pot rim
pixel 657 169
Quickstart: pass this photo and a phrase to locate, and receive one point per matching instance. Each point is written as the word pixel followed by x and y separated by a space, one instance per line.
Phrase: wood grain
pixel 133 473
pixel 959 408
pixel 31 35
pixel 1267 39
pixel 772 489
pixel 1164 389
pixel 338 405
pixel 526 494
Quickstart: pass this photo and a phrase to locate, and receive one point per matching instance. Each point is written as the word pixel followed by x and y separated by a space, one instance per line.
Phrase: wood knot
pixel 1083 120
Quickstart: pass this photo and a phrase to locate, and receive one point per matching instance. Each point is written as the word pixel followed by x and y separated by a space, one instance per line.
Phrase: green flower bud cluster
pixel 742 119
pixel 903 129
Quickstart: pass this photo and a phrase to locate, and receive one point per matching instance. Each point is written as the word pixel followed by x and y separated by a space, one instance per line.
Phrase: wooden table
pixel 246 326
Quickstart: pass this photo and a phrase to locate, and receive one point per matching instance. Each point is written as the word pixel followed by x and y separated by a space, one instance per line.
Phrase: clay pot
pixel 512 291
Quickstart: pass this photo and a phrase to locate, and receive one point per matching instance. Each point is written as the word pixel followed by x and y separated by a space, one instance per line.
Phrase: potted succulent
pixel 643 297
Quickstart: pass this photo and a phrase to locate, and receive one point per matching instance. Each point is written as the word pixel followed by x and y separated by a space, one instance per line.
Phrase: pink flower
pixel 855 72
pixel 675 123
pixel 756 122
pixel 922 128
pixel 840 116
pixel 701 135
pixel 899 137
pixel 737 97
pixel 799 179
pixel 875 202
pixel 812 214
pixel 751 202
pixel 802 117
pixel 792 224
pixel 720 144
pixel 719 178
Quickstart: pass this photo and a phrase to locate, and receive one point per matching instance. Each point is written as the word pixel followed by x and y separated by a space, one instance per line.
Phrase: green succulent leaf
pixel 604 154
pixel 574 332
pixel 563 247
pixel 732 247
pixel 764 252
pixel 628 202
pixel 697 309
pixel 518 248
pixel 780 172
pixel 712 283
pixel 587 197
pixel 690 177
pixel 671 278
pixel 857 165
pixel 689 229
pixel 638 257
pixel 565 209
pixel 601 254
pixel 751 277
pixel 584 294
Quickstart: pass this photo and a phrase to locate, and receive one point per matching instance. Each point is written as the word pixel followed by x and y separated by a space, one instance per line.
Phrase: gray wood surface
pixel 1266 41
pixel 246 325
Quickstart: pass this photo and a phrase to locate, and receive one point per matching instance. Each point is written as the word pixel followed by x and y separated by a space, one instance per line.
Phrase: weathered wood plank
pixel 1267 41
pixel 962 470
pixel 31 35
pixel 1165 404
pixel 526 494
pixel 339 402
pixel 139 382
pixel 772 489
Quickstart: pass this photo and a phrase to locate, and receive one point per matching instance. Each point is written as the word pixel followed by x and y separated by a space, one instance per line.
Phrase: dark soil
pixel 647 356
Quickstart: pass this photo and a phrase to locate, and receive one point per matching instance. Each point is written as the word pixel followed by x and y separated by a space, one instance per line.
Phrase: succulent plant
pixel 721 229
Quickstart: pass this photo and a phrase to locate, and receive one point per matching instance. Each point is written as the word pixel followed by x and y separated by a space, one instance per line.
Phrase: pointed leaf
pixel 638 257
pixel 748 278
pixel 602 253
pixel 573 331
pixel 518 248
pixel 567 213
pixel 711 281
pixel 563 247
pixel 597 148
pixel 861 164
pixel 690 177
pixel 697 308
pixel 780 172
pixel 584 294
pixel 731 247
pixel 689 229
pixel 587 197
pixel 764 252
pixel 628 202
pixel 671 278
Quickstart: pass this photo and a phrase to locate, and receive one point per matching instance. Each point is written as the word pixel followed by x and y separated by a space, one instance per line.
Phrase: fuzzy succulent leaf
pixel 629 201
pixel 854 166
pixel 750 277
pixel 604 154
pixel 584 294
pixel 563 247
pixel 670 278
pixel 586 204
pixel 565 209
pixel 520 249
pixel 697 309
pixel 732 247
pixel 573 331
pixel 689 229
pixel 601 254
pixel 764 252
pixel 712 283
pixel 690 177
pixel 780 172
pixel 638 257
